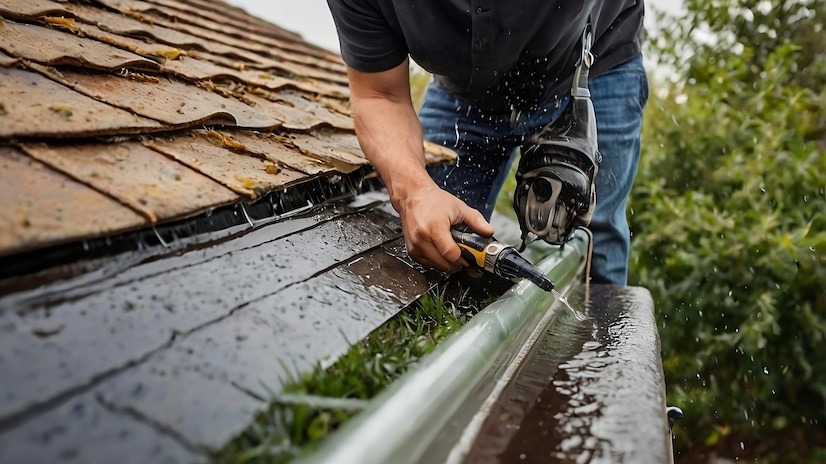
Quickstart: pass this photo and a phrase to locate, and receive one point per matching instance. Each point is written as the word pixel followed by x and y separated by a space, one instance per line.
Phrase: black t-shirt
pixel 497 55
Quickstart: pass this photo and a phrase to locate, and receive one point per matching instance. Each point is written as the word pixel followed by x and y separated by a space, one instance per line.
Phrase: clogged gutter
pixel 298 421
pixel 310 408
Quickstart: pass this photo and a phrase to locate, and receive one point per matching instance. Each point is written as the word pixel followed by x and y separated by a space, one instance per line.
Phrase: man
pixel 503 72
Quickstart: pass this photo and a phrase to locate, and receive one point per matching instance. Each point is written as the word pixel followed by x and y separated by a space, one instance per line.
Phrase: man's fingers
pixel 446 247
pixel 426 221
pixel 425 251
pixel 476 221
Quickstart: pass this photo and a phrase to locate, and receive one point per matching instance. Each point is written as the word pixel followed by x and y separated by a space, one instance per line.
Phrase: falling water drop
pixel 579 315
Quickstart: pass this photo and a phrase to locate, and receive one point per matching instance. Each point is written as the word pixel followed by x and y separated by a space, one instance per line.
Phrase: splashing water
pixel 579 315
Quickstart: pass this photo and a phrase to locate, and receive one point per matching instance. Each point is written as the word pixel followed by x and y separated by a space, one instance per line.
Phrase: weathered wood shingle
pixel 94 95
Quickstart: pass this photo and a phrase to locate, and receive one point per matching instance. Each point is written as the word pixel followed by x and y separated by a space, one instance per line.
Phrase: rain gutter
pixel 434 412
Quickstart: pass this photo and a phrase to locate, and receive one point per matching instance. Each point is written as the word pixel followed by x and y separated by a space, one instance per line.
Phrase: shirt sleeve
pixel 368 43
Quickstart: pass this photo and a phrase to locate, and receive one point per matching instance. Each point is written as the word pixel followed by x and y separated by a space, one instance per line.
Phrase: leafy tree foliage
pixel 729 223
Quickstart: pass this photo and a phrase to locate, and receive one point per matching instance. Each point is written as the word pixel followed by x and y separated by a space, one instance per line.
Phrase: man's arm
pixel 391 137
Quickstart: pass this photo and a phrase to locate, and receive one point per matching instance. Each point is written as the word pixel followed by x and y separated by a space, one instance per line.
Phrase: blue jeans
pixel 486 143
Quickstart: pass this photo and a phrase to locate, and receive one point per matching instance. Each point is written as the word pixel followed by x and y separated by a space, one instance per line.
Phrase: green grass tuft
pixel 290 426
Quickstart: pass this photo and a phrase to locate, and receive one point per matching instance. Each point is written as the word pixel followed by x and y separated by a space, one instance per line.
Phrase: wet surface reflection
pixel 189 342
pixel 591 391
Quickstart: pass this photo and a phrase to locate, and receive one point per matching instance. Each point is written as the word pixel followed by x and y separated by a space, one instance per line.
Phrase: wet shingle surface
pixel 84 430
pixel 127 127
pixel 183 345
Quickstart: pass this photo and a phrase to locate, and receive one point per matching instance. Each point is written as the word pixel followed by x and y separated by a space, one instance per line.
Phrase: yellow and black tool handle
pixel 499 258
pixel 477 250
pixel 474 247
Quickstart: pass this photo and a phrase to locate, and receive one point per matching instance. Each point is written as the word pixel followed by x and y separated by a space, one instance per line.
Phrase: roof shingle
pixel 117 115
pixel 42 206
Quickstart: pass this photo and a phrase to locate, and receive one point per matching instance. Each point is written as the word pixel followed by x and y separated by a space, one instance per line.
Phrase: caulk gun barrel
pixel 498 258
pixel 511 264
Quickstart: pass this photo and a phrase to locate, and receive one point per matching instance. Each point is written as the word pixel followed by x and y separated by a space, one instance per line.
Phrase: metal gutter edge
pixel 403 421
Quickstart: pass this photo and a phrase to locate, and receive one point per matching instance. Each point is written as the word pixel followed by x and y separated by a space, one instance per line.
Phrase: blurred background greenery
pixel 729 227
pixel 728 216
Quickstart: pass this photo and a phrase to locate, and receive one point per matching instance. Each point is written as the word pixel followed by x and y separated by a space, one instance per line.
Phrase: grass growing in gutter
pixel 309 408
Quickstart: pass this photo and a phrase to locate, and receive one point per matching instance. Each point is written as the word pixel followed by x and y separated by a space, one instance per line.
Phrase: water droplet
pixel 579 315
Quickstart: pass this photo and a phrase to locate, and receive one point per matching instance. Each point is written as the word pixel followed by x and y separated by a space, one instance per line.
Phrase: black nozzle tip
pixel 538 278
pixel 542 282
pixel 512 265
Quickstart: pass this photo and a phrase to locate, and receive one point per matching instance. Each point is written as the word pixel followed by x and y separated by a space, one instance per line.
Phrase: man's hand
pixel 427 214
pixel 391 137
